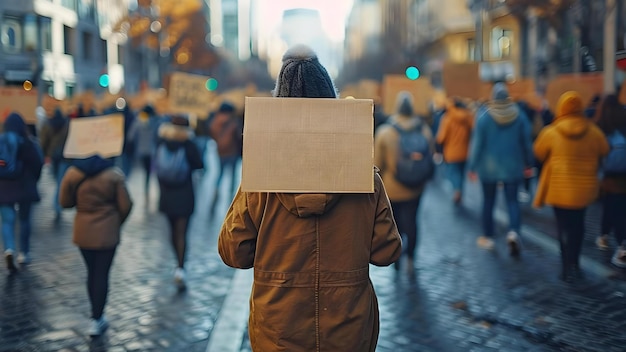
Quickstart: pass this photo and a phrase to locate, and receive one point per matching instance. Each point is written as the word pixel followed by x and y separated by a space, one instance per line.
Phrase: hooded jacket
pixel 311 256
pixel 24 188
pixel 178 200
pixel 98 191
pixel 386 149
pixel 454 134
pixel 501 143
pixel 570 149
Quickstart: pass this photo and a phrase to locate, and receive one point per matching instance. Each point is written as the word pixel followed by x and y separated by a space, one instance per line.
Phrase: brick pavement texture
pixel 459 298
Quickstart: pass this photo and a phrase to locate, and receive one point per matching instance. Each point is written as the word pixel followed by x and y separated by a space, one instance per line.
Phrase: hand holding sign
pixel 103 135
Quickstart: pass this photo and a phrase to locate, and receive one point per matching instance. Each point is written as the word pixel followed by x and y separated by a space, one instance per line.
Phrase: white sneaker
pixel 23 258
pixel 602 242
pixel 485 242
pixel 512 240
pixel 523 196
pixel 97 326
pixel 619 258
pixel 179 278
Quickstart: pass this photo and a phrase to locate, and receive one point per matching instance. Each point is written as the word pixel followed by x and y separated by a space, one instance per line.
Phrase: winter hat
pixel 302 76
pixel 500 92
pixel 14 123
pixel 180 120
pixel 226 107
pixel 404 103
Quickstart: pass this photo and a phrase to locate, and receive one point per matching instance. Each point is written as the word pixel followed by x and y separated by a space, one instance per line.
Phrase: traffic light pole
pixel 610 44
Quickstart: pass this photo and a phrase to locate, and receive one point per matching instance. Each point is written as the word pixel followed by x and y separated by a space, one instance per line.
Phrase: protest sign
pixel 101 135
pixel 188 94
pixel 587 85
pixel 305 145
pixel 16 99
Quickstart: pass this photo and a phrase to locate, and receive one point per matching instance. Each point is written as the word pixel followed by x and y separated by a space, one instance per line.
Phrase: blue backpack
pixel 171 166
pixel 10 166
pixel 615 162
pixel 414 164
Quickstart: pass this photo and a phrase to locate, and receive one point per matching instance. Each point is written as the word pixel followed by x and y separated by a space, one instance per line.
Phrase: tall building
pixel 58 44
pixel 230 26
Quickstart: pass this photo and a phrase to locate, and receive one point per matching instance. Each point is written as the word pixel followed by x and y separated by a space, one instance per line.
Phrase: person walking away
pixel 612 121
pixel 130 141
pixel 570 150
pixel 176 157
pixel 536 123
pixel 147 125
pixel 226 131
pixel 21 160
pixel 500 152
pixel 404 196
pixel 310 251
pixel 52 138
pixel 454 137
pixel 98 191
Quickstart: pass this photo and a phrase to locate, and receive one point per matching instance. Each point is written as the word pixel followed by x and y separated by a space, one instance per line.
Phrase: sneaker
pixel 8 256
pixel 619 258
pixel 512 240
pixel 602 242
pixel 97 326
pixel 523 196
pixel 485 242
pixel 23 258
pixel 457 197
pixel 179 278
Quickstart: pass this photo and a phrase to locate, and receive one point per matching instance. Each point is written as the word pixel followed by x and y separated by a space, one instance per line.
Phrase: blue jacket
pixel 23 189
pixel 501 146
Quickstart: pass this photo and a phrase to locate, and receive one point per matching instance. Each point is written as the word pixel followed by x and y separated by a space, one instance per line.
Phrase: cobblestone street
pixel 460 298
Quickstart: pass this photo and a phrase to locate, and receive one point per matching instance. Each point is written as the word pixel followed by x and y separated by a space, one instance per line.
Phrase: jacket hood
pixel 92 165
pixel 404 104
pixel 569 119
pixel 175 133
pixel 57 120
pixel 569 104
pixel 503 112
pixel 14 123
pixel 304 205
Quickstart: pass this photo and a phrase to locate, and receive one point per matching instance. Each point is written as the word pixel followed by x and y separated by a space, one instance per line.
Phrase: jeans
pixel 489 201
pixel 570 225
pixel 58 169
pixel 8 215
pixel 229 162
pixel 405 214
pixel 146 163
pixel 456 175
pixel 24 215
pixel 613 205
pixel 98 264
pixel 126 163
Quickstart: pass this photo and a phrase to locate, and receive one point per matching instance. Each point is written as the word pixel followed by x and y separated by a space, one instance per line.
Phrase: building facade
pixel 57 44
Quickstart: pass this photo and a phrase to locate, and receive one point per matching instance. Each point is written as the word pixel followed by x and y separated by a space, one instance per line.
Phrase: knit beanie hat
pixel 226 107
pixel 404 103
pixel 500 92
pixel 302 76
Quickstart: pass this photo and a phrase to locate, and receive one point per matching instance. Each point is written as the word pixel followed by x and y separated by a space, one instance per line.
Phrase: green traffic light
pixel 104 80
pixel 211 84
pixel 412 73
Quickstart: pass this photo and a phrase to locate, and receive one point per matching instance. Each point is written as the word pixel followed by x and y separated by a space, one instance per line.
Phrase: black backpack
pixel 414 164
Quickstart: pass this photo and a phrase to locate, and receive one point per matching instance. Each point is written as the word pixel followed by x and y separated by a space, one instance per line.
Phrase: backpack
pixel 171 166
pixel 411 169
pixel 10 166
pixel 615 162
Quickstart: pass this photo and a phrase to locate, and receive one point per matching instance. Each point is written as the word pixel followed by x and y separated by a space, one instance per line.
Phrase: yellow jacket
pixel 570 149
pixel 454 134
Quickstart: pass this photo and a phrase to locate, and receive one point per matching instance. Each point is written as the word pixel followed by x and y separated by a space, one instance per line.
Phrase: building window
pixel 68 40
pixel 70 4
pixel 86 9
pixel 11 36
pixel 471 49
pixel 87 46
pixel 69 90
pixel 46 34
pixel 30 33
pixel 501 42
pixel 103 51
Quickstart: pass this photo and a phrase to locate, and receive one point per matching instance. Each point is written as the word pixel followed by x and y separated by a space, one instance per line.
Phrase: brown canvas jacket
pixel 311 255
pixel 102 205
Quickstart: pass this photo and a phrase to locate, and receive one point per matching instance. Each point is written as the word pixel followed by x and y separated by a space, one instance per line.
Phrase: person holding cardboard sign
pixel 310 250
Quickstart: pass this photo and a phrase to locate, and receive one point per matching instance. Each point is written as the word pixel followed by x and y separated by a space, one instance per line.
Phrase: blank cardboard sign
pixel 304 145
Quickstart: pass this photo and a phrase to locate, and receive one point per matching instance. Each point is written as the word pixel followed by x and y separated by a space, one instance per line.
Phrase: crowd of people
pixel 96 186
pixel 575 154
